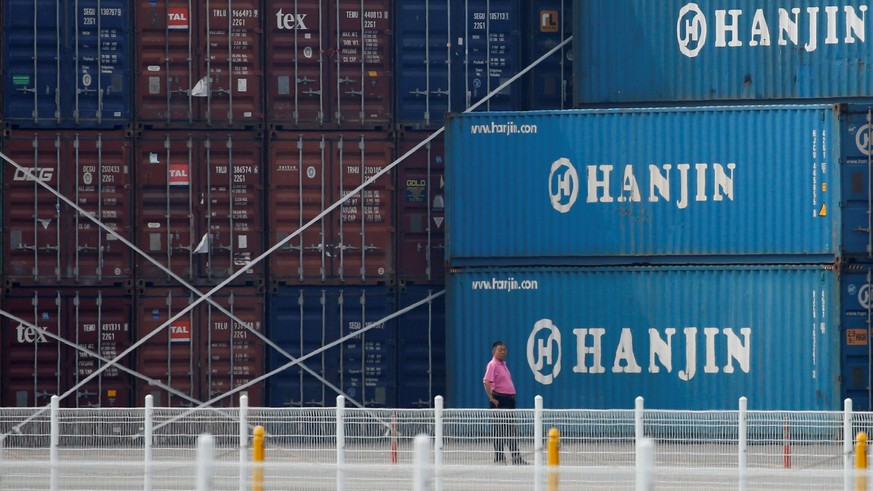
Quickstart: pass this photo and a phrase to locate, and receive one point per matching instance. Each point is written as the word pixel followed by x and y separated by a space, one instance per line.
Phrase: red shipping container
pixel 205 353
pixel 46 241
pixel 199 205
pixel 199 65
pixel 329 64
pixel 420 214
pixel 37 365
pixel 353 244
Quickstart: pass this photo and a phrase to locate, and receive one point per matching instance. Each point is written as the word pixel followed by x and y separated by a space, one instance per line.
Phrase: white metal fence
pixel 351 448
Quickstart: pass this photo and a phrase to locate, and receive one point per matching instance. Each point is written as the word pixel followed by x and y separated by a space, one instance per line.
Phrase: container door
pixel 32 43
pixel 421 348
pixel 857 351
pixel 548 86
pixel 367 372
pixel 32 225
pixel 423 57
pixel 856 197
pixel 299 326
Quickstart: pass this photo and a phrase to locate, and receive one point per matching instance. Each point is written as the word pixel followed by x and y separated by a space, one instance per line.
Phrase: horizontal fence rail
pixel 351 448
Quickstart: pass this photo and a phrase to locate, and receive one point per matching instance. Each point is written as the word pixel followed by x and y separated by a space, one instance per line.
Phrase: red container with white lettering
pixel 199 206
pixel 309 172
pixel 199 64
pixel 206 353
pixel 77 327
pixel 46 241
pixel 329 64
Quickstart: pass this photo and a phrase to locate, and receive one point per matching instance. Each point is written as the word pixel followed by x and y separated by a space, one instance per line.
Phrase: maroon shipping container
pixel 329 64
pixel 205 353
pixel 354 244
pixel 199 63
pixel 199 205
pixel 46 241
pixel 420 212
pixel 37 365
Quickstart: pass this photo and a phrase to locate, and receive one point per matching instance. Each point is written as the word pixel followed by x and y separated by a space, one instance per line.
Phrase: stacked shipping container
pixel 199 136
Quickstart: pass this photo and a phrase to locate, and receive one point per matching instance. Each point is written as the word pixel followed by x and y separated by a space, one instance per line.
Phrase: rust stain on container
pixel 203 354
pixel 329 64
pixel 200 65
pixel 46 241
pixel 420 211
pixel 36 365
pixel 199 205
pixel 354 244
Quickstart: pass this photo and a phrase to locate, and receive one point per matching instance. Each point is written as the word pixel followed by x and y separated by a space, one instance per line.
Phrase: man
pixel 501 395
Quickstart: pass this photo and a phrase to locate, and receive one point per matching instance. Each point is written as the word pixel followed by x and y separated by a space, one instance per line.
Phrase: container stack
pixel 697 231
pixel 201 135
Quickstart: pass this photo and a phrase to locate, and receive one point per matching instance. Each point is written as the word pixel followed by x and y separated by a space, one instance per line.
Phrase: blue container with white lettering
pixel 67 64
pixel 753 184
pixel 681 337
pixel 642 52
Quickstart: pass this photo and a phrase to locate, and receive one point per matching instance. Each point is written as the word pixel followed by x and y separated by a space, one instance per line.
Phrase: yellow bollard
pixel 258 459
pixel 553 458
pixel 861 462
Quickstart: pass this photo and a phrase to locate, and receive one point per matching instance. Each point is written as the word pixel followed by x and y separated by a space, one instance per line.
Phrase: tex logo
pixel 862 139
pixel 563 185
pixel 544 351
pixel 691 30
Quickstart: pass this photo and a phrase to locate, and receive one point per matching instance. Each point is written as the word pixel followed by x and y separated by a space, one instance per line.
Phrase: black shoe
pixel 519 461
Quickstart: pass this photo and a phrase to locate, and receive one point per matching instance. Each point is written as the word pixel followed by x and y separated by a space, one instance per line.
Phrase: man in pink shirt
pixel 501 395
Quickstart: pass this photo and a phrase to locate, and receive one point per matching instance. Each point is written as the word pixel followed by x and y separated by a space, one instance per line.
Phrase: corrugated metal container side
pixel 308 172
pixel 37 365
pixel 421 347
pixel 681 337
pixel 200 65
pixel 487 53
pixel 67 64
pixel 637 51
pixel 203 354
pixel 423 61
pixel 550 84
pixel 669 185
pixel 421 212
pixel 329 64
pixel 45 240
pixel 305 319
pixel 856 150
pixel 192 185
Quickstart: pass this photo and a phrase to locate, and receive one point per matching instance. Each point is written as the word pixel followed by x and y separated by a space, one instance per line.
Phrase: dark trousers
pixel 503 423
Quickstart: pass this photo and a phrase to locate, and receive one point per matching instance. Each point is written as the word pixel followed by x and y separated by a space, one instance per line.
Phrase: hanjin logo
pixel 691 30
pixel 862 139
pixel 544 353
pixel 563 185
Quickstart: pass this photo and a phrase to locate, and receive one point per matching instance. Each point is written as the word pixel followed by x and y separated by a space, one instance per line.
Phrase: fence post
pixel 538 431
pixel 742 437
pixel 392 429
pixel 638 425
pixel 340 441
pixel 205 456
pixel 258 459
pixel 421 472
pixel 438 432
pixel 54 440
pixel 847 444
pixel 243 440
pixel 148 436
pixel 645 464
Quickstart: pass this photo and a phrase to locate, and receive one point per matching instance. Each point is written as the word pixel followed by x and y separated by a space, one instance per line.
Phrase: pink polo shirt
pixel 498 374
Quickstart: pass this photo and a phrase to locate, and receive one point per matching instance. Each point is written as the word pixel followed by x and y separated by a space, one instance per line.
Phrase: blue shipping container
pixel 639 51
pixel 66 64
pixel 305 319
pixel 683 338
pixel 658 185
pixel 421 347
